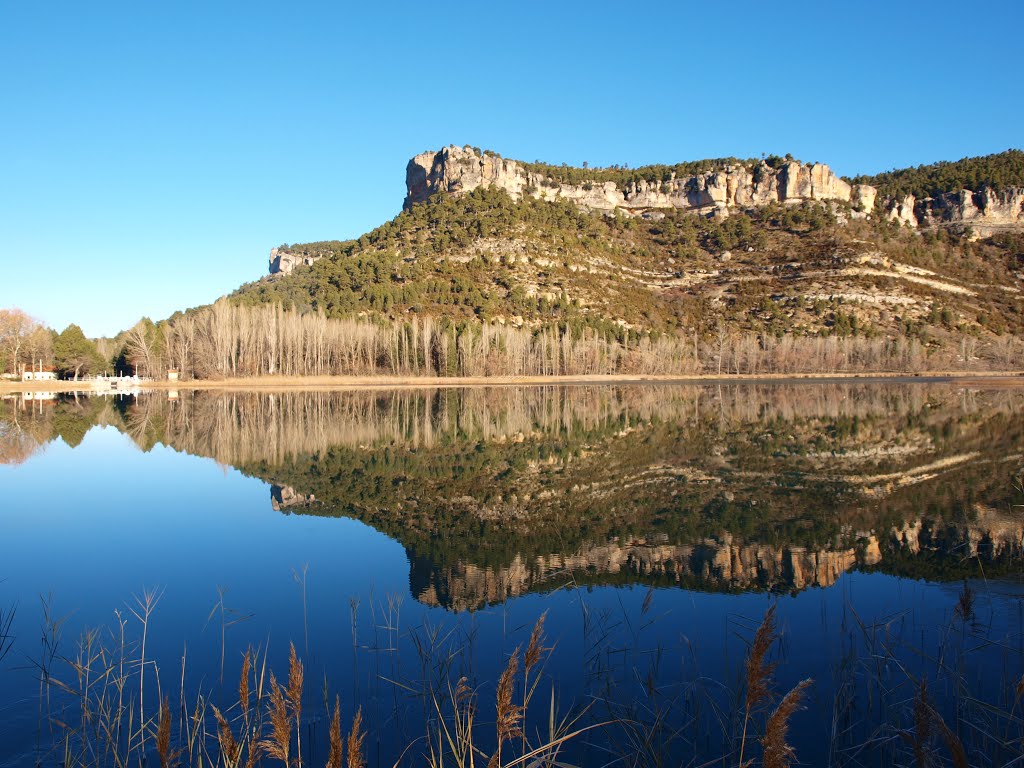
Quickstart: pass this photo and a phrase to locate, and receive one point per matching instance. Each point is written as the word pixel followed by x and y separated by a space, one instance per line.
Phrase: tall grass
pixel 104 702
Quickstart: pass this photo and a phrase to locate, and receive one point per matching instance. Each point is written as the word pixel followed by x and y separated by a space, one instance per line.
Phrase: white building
pixel 45 374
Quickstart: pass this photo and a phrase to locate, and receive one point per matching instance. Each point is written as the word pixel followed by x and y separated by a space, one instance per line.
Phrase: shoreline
pixel 322 383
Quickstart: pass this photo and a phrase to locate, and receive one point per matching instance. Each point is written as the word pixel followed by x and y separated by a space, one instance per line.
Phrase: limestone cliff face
pixel 721 563
pixel 284 260
pixel 454 169
pixel 986 212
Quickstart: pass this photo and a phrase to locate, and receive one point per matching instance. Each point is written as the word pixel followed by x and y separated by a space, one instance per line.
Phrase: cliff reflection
pixel 497 492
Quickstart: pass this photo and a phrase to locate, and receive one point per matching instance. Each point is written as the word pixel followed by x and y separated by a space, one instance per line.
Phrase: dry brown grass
pixel 229 748
pixel 776 752
pixel 356 759
pixel 296 675
pixel 337 747
pixel 509 713
pixel 758 672
pixel 278 745
pixel 163 734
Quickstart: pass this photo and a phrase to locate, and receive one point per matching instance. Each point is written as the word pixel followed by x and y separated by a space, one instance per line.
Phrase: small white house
pixel 46 374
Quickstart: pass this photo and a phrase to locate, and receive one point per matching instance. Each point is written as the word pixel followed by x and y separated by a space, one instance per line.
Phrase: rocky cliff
pixel 718 564
pixel 723 187
pixel 986 212
pixel 455 169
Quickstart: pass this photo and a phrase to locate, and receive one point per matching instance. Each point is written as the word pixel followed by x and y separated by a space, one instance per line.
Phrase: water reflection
pixel 497 492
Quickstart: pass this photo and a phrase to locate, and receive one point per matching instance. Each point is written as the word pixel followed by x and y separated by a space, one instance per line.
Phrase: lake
pixel 406 540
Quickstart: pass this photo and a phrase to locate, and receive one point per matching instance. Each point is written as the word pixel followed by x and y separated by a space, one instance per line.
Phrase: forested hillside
pixel 999 171
pixel 805 270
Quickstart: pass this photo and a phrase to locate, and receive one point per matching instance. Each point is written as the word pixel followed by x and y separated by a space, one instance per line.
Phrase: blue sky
pixel 152 154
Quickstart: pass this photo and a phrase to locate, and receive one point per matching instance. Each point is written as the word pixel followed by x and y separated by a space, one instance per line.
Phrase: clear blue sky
pixel 152 153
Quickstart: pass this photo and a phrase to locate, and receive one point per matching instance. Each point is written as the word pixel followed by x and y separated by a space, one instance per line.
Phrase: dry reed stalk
pixel 964 609
pixel 163 734
pixel 6 637
pixel 229 748
pixel 922 726
pixel 459 737
pixel 334 758
pixel 534 653
pixel 758 673
pixel 243 683
pixel 776 753
pixel 278 746
pixel 510 714
pixel 355 742
pixel 295 679
pixel 535 649
pixel 927 718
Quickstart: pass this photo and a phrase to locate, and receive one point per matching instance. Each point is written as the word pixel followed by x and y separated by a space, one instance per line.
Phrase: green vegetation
pixel 622 176
pixel 75 355
pixel 482 256
pixel 1005 169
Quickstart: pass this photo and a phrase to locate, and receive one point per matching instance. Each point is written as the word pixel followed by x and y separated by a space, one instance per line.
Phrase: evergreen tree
pixel 74 354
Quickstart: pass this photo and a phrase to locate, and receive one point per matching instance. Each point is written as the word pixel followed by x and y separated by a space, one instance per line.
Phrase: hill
pixel 496 266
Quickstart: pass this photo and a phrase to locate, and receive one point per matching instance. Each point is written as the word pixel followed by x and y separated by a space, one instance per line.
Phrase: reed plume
pixel 758 673
pixel 278 746
pixel 776 752
pixel 355 742
pixel 163 734
pixel 335 755
pixel 295 678
pixel 510 714
pixel 243 683
pixel 229 748
pixel 535 649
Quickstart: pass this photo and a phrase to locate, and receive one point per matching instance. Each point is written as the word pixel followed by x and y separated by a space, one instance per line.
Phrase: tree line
pixel 229 340
pixel 27 344
pixel 1005 169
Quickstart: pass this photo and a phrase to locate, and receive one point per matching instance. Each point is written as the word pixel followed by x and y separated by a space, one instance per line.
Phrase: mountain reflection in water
pixel 497 492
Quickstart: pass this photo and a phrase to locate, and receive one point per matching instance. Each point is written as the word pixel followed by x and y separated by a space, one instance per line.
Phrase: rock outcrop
pixel 717 564
pixel 285 261
pixel 456 169
pixel 986 212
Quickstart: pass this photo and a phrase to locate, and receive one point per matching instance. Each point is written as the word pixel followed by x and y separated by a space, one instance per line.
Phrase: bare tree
pixel 15 328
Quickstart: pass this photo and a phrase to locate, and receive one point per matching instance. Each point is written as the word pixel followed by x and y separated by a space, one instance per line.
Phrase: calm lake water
pixel 405 539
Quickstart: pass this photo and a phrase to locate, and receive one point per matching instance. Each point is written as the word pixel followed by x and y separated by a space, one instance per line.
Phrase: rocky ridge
pixel 454 169
pixel 986 212
pixel 723 563
pixel 718 192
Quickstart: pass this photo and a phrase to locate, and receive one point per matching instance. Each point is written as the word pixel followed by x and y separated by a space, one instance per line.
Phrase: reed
pixel 776 752
pixel 97 718
pixel 509 713
pixel 758 672
pixel 337 745
pixel 356 759
pixel 6 635
pixel 279 744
